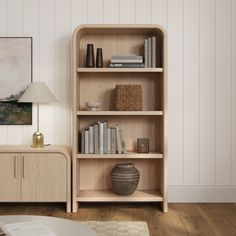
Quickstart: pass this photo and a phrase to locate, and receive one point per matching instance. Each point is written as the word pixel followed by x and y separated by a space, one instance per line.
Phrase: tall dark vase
pixel 124 178
pixel 90 56
pixel 99 58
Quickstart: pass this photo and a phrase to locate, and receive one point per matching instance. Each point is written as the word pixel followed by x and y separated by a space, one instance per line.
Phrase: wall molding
pixel 202 194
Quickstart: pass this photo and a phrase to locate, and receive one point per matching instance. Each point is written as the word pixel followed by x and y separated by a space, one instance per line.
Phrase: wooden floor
pixel 182 219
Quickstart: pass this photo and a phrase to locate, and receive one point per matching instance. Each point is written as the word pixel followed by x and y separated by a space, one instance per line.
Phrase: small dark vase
pixel 90 56
pixel 124 178
pixel 99 58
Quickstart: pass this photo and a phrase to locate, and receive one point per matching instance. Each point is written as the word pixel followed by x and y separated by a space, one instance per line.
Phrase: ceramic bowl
pixel 93 106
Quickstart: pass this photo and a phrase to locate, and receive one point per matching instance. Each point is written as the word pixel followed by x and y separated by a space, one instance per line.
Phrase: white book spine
pixel 101 137
pixel 154 39
pixel 86 146
pixel 82 144
pixel 91 143
pixel 108 140
pixel 149 52
pixel 95 132
pixel 105 137
pixel 146 53
pixel 122 139
pixel 118 142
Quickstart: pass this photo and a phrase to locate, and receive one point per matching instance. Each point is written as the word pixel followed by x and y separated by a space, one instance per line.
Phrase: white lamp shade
pixel 38 92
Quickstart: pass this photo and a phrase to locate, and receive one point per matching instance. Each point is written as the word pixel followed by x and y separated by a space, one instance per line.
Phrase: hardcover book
pixel 105 124
pixel 113 140
pixel 86 142
pixel 118 141
pixel 149 52
pixel 154 52
pixel 82 141
pixel 91 138
pixel 100 128
pixel 146 53
pixel 96 144
pixel 126 65
pixel 108 140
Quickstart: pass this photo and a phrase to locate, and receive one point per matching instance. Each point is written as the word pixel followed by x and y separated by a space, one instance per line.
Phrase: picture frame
pixel 16 74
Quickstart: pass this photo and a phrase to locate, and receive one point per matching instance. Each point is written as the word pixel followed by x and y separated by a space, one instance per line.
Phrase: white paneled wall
pixel 202 80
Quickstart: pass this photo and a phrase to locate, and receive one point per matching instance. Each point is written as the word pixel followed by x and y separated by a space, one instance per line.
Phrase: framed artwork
pixel 15 77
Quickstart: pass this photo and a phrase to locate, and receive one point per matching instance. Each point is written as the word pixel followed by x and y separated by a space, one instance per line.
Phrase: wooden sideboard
pixel 35 174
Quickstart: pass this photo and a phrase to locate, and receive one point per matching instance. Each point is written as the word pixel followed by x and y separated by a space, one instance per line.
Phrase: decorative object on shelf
pixel 124 178
pixel 129 97
pixel 93 106
pixel 38 92
pixel 99 58
pixel 90 56
pixel 15 76
pixel 143 145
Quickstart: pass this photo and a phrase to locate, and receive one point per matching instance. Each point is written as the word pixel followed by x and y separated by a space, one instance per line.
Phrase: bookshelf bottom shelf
pixel 109 196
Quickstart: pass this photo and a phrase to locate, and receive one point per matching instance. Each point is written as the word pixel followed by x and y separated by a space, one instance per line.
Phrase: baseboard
pixel 220 194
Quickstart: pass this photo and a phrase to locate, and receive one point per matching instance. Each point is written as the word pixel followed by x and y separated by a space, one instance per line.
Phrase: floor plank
pixel 181 219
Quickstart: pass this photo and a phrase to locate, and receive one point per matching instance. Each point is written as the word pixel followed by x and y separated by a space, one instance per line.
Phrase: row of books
pixel 127 61
pixel 150 52
pixel 137 61
pixel 99 138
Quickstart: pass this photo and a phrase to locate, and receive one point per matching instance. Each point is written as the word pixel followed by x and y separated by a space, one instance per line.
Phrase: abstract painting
pixel 15 76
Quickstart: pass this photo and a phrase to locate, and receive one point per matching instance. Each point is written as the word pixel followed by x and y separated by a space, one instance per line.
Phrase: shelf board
pixel 129 155
pixel 109 196
pixel 119 70
pixel 120 113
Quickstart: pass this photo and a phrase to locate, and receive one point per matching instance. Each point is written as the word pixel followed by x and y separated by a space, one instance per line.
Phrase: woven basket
pixel 129 97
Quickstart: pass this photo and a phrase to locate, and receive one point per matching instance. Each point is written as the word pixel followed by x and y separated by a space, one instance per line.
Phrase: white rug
pixel 118 228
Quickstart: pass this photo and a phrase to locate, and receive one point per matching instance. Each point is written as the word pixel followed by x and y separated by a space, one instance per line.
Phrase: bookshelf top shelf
pixel 120 113
pixel 119 70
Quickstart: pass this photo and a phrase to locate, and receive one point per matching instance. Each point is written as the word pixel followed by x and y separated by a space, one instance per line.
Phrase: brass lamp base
pixel 38 140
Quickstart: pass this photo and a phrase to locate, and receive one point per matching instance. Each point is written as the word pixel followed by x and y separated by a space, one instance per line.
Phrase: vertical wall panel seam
pixel 135 11
pixel 71 73
pixel 119 12
pixel 7 23
pixel 151 12
pixel 7 32
pixel 215 91
pixel 231 89
pixel 54 64
pixel 87 11
pixel 39 34
pixel 199 86
pixel 103 11
pixel 183 96
pixel 167 16
pixel 23 15
pixel 23 33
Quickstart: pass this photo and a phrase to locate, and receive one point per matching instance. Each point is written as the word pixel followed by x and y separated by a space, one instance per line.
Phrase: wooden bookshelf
pixel 91 172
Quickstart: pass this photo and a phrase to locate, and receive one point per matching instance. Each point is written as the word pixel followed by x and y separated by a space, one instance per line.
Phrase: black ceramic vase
pixel 90 56
pixel 124 178
pixel 99 58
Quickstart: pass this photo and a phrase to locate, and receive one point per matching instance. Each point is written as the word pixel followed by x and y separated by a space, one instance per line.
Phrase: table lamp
pixel 38 92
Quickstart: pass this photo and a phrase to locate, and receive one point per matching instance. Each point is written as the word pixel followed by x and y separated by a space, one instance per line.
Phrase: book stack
pixel 101 139
pixel 127 61
pixel 150 52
